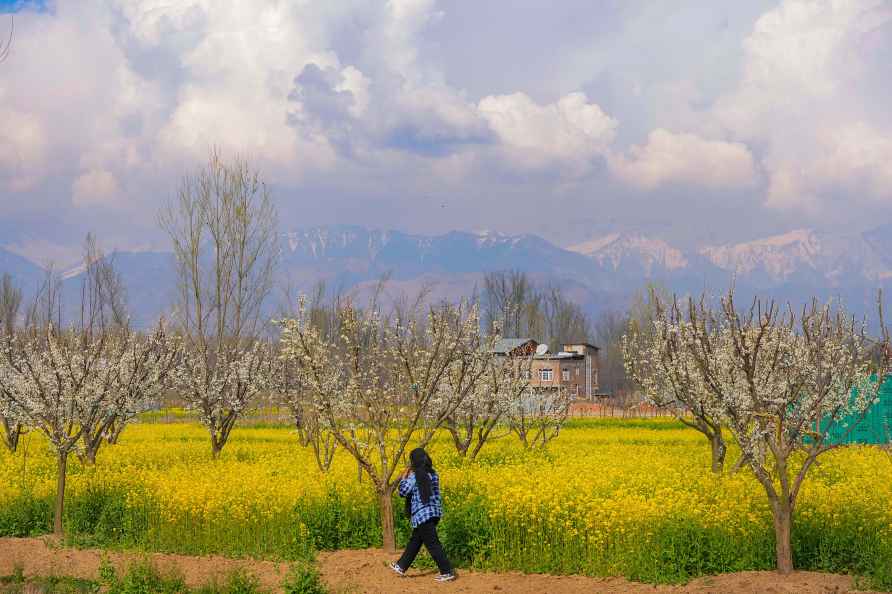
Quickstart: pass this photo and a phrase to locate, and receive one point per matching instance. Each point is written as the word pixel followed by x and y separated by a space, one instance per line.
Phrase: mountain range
pixel 600 273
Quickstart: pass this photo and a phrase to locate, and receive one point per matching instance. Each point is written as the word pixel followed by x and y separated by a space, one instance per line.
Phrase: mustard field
pixel 608 497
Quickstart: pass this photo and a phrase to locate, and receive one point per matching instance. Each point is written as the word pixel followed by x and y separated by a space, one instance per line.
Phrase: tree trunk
pixel 385 501
pixel 11 434
pixel 783 521
pixel 718 451
pixel 114 434
pixel 60 493
pixel 217 443
pixel 91 448
pixel 479 446
pixel 741 462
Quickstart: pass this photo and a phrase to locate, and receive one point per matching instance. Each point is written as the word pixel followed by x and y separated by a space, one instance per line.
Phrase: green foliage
pixel 26 516
pixel 303 578
pixel 141 578
pixel 337 524
pixel 101 516
pixel 19 584
pixel 237 582
pixel 144 578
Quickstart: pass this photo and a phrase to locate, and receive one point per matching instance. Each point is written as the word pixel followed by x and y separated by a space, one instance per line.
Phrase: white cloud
pixel 570 130
pixel 23 148
pixel 671 158
pixel 96 187
pixel 813 99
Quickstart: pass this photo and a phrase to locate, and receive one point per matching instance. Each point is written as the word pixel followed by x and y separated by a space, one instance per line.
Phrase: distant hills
pixel 599 273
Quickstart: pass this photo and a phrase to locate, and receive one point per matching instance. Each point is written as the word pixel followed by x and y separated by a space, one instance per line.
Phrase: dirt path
pixel 366 572
pixel 40 557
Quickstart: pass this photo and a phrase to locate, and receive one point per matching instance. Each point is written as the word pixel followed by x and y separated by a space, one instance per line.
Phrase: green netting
pixel 875 428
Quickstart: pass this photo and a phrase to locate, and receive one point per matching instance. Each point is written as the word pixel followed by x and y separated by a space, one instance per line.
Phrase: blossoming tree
pixel 10 415
pixel 293 390
pixel 380 384
pixel 493 387
pixel 140 369
pixel 539 414
pixel 669 376
pixel 783 379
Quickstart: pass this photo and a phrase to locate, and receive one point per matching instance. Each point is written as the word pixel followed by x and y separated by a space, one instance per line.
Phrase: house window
pixel 546 375
pixel 565 375
pixel 525 374
pixel 577 372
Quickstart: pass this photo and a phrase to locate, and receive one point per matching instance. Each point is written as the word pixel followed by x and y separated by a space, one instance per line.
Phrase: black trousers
pixel 425 534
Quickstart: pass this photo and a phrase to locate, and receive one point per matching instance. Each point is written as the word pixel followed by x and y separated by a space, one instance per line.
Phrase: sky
pixel 698 122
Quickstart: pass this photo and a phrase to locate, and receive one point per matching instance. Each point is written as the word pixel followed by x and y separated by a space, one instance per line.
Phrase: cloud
pixel 813 97
pixel 23 147
pixel 569 131
pixel 381 112
pixel 680 158
pixel 96 187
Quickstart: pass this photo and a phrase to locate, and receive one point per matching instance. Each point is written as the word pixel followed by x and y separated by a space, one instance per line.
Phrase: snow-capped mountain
pixel 616 250
pixel 804 255
pixel 601 272
pixel 356 253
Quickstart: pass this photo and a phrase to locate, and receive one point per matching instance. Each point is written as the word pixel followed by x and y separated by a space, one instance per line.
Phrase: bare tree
pixel 6 46
pixel 609 329
pixel 103 295
pixel 784 380
pixel 10 304
pixel 381 384
pixel 564 321
pixel 512 301
pixel 45 309
pixel 223 227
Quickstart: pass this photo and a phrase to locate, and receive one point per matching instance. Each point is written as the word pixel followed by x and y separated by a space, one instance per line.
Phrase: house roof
pixel 506 345
pixel 588 344
pixel 560 355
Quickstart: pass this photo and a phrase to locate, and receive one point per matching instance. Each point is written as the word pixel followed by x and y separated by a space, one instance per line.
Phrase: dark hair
pixel 423 467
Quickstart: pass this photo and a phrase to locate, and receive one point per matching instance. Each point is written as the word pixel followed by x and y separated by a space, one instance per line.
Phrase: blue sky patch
pixel 11 6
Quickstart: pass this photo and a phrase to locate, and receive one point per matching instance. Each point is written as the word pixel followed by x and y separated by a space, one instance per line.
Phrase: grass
pixel 17 583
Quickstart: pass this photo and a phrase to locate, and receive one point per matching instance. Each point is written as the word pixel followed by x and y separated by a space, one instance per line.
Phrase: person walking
pixel 420 485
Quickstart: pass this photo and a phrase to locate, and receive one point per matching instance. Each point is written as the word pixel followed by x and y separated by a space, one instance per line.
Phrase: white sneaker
pixel 445 577
pixel 398 570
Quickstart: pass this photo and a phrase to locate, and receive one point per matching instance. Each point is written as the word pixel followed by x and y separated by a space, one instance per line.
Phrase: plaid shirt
pixel 422 512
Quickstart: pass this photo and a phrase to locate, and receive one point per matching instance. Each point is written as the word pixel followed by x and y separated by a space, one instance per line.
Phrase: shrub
pixel 303 578
pixel 141 578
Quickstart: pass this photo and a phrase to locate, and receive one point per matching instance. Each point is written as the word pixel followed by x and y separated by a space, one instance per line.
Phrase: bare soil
pixel 367 572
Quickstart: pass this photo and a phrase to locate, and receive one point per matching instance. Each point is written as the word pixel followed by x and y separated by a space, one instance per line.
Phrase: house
pixel 574 368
